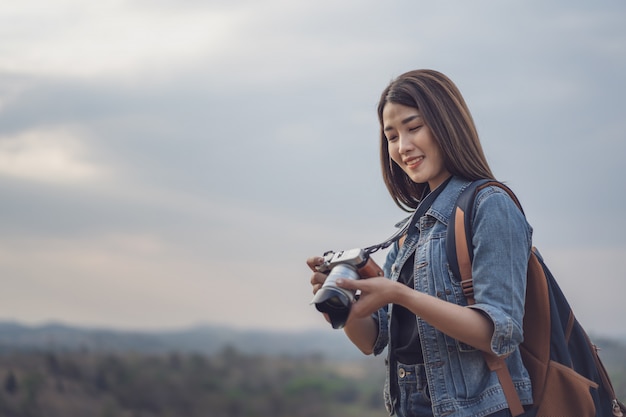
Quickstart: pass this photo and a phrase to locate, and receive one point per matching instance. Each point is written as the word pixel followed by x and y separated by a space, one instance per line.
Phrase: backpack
pixel 567 375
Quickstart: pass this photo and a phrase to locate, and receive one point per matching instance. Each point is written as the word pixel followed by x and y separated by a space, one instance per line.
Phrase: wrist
pixel 402 294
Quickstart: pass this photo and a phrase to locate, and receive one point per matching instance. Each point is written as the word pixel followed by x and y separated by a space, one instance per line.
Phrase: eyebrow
pixel 404 121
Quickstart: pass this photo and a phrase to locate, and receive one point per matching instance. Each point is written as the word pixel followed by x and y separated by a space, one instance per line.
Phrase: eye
pixel 391 138
pixel 415 128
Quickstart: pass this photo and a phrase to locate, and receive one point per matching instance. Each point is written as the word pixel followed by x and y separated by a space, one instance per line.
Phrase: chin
pixel 418 179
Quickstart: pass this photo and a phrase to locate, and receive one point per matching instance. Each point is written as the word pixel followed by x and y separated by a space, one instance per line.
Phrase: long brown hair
pixel 444 111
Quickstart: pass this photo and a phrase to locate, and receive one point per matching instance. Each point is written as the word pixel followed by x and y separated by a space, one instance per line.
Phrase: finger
pixel 318 278
pixel 314 262
pixel 348 284
pixel 316 288
pixel 357 312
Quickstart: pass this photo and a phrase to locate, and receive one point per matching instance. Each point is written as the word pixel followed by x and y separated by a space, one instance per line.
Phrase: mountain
pixel 206 339
pixel 201 339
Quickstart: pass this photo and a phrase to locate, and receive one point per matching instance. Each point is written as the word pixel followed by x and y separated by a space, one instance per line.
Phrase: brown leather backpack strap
pixel 498 365
pixel 463 257
pixel 495 363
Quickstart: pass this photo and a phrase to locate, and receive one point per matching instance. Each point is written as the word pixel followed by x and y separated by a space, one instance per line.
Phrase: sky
pixel 167 163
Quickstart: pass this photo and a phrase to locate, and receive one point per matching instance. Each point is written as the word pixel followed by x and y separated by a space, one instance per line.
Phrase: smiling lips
pixel 413 162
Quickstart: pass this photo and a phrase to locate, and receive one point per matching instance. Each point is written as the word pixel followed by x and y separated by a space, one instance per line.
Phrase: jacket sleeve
pixel 502 241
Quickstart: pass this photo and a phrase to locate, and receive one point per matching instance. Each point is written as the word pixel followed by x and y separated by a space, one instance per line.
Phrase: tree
pixel 10 383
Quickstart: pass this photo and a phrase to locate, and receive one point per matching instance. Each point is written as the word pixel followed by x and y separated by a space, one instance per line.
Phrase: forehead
pixel 395 114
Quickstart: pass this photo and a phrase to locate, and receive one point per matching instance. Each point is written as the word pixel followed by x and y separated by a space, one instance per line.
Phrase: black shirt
pixel 405 341
pixel 405 346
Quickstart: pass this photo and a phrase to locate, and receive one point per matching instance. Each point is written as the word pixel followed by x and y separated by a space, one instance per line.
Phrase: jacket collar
pixel 443 206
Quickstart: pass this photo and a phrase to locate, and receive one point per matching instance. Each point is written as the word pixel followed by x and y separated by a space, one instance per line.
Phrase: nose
pixel 405 144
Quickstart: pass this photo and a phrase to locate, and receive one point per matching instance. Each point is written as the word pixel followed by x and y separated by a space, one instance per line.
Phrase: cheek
pixel 439 158
pixel 393 152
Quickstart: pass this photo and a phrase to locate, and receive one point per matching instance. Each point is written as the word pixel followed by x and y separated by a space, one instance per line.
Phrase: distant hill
pixel 15 337
pixel 211 340
pixel 56 370
pixel 53 337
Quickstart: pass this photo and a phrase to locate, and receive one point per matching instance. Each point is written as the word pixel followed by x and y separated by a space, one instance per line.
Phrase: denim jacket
pixel 459 381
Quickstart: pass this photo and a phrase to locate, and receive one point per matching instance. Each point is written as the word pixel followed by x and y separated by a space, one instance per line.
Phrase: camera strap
pixel 405 225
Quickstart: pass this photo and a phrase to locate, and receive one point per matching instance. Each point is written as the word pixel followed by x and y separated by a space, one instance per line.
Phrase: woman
pixel 430 152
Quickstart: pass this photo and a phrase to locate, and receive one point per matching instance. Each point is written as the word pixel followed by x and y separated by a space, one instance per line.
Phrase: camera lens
pixel 329 300
pixel 335 302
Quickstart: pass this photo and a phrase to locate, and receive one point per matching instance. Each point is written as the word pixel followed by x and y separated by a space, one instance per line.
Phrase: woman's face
pixel 412 146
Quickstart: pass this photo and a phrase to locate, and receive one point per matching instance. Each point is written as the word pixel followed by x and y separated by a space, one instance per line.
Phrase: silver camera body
pixel 348 264
pixel 353 257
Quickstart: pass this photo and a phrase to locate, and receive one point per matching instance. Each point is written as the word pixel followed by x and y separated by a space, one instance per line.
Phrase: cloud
pixel 140 280
pixel 55 156
pixel 70 38
pixel 591 279
pixel 174 154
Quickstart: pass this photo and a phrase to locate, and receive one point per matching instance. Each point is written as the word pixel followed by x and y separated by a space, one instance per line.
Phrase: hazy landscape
pixel 56 370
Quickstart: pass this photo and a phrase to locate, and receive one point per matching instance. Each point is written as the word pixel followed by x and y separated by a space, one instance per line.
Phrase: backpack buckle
pixel 467 286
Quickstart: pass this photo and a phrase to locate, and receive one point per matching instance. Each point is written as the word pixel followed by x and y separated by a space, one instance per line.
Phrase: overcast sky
pixel 166 163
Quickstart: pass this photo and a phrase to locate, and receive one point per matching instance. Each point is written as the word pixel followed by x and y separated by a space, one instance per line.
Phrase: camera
pixel 349 264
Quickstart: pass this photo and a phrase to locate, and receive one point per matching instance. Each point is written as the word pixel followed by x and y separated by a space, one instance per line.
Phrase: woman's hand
pixel 462 323
pixel 318 278
pixel 376 292
pixel 361 330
